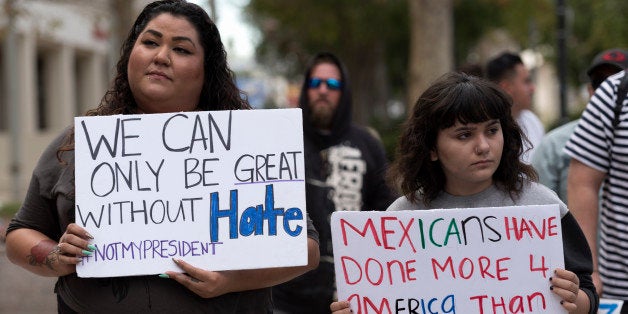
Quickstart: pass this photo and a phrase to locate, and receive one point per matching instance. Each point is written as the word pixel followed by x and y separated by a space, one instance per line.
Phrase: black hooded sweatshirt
pixel 344 170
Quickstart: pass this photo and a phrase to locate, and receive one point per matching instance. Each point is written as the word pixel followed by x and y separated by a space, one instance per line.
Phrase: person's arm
pixel 583 188
pixel 37 253
pixel 548 164
pixel 377 194
pixel 209 284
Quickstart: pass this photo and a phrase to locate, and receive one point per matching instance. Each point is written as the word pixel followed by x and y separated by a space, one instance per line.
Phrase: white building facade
pixel 57 59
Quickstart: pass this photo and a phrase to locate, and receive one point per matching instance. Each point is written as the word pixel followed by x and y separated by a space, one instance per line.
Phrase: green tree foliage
pixel 470 23
pixel 371 35
pixel 591 26
pixel 529 22
pixel 595 26
pixel 292 31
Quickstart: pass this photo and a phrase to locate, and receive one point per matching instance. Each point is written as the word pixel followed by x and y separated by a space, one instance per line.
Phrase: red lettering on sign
pixel 375 271
pixel 383 236
pixel 530 303
pixel 518 228
pixel 467 268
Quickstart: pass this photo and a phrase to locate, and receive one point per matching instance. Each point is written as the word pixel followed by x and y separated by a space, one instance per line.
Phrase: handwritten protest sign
pixel 221 190
pixel 610 306
pixel 480 260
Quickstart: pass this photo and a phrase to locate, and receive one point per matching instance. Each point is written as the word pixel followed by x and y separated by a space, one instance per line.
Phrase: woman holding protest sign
pixel 460 148
pixel 172 60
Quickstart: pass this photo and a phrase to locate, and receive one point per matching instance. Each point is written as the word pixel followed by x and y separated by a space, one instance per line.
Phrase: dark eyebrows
pixel 495 121
pixel 155 33
pixel 183 38
pixel 175 38
pixel 465 127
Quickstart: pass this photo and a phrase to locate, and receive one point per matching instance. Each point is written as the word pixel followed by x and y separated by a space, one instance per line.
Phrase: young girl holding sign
pixel 460 148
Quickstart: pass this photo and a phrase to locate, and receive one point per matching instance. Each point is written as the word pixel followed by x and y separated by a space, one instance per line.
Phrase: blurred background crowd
pixel 57 57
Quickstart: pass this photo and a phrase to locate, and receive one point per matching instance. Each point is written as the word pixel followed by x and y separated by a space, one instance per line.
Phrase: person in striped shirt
pixel 599 155
pixel 549 160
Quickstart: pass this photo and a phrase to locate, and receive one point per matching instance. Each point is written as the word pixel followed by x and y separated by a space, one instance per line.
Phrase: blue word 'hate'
pixel 253 218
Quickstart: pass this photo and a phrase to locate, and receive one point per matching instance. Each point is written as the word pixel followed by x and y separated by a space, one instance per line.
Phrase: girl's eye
pixel 463 136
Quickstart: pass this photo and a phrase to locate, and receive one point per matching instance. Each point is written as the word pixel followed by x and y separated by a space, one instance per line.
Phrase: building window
pixel 81 75
pixel 42 114
pixel 4 97
pixel 90 74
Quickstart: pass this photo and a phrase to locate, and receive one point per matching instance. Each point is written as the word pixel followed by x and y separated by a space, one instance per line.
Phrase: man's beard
pixel 322 115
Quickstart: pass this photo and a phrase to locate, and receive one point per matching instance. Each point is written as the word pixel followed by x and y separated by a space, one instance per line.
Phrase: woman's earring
pixel 433 156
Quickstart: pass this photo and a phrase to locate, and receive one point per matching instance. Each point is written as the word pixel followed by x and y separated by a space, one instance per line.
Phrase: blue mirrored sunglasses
pixel 332 84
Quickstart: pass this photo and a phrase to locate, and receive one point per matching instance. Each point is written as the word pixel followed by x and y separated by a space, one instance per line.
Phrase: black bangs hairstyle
pixel 465 104
pixel 455 97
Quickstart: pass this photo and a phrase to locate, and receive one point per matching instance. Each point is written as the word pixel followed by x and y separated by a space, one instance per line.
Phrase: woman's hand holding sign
pixel 340 307
pixel 209 284
pixel 566 285
pixel 205 283
pixel 58 259
pixel 74 244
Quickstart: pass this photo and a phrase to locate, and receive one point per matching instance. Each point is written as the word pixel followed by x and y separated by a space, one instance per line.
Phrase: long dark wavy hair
pixel 219 90
pixel 467 99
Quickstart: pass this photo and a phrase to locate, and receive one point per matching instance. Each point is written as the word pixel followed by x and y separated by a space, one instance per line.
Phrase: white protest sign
pixel 219 189
pixel 474 260
pixel 610 306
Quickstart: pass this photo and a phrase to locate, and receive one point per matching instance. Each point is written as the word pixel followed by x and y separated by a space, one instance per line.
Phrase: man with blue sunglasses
pixel 323 91
pixel 344 170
